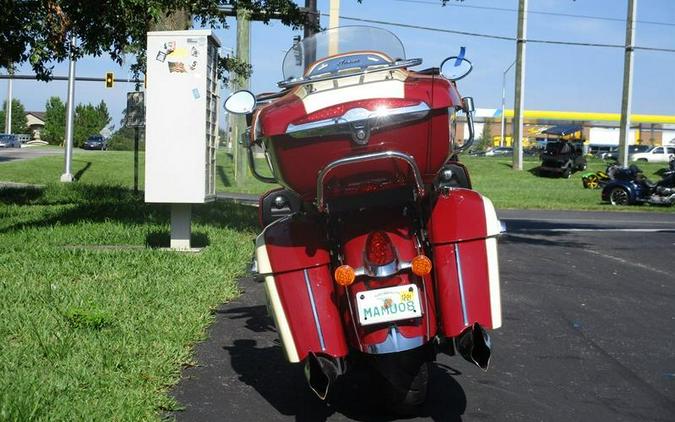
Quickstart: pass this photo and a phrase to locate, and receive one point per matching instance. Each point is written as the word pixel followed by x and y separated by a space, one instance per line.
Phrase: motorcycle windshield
pixel 339 41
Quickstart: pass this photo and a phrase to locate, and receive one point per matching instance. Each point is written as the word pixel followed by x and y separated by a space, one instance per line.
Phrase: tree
pixel 54 131
pixel 39 32
pixel 19 120
pixel 89 120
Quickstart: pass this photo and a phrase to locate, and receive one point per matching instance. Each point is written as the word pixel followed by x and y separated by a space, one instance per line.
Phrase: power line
pixel 499 37
pixel 535 12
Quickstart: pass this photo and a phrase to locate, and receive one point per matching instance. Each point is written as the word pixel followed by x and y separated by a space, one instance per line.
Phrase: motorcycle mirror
pixel 455 68
pixel 240 102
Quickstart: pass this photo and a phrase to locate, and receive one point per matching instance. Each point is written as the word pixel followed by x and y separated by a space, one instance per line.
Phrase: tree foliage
pixel 89 120
pixel 55 121
pixel 19 120
pixel 39 31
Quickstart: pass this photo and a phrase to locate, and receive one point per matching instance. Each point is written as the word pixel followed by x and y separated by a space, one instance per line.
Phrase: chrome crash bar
pixel 419 183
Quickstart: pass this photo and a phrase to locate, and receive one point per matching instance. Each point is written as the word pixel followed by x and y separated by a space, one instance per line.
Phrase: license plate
pixel 388 304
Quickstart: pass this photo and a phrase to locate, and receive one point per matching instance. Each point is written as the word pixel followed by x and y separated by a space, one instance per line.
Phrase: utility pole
pixel 501 139
pixel 67 175
pixel 626 99
pixel 312 23
pixel 520 86
pixel 8 112
pixel 334 22
pixel 239 126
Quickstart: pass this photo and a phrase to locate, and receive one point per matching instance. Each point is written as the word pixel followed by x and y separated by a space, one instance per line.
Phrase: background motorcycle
pixel 629 186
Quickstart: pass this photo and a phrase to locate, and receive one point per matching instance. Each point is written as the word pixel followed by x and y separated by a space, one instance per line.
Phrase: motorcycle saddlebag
pixel 463 227
pixel 294 260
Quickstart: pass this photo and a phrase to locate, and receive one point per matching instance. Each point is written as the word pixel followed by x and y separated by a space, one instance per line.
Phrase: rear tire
pixel 567 173
pixel 405 379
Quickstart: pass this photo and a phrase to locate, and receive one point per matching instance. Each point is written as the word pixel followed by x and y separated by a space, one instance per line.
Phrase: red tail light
pixel 379 249
pixel 340 109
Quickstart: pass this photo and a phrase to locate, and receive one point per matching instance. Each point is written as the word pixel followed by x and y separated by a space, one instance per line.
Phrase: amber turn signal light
pixel 421 265
pixel 344 275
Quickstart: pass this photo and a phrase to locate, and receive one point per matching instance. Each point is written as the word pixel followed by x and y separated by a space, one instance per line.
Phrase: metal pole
pixel 67 175
pixel 136 136
pixel 624 129
pixel 8 112
pixel 520 86
pixel 501 140
pixel 312 21
pixel 239 127
pixel 334 22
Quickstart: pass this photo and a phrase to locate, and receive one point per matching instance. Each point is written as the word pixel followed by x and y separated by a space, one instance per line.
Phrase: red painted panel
pixel 476 283
pixel 457 215
pixel 473 255
pixel 447 290
pixel 295 298
pixel 295 243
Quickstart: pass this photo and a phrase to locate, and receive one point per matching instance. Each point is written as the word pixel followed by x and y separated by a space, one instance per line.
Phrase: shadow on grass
pixel 223 176
pixel 20 196
pixel 101 203
pixel 161 239
pixel 81 171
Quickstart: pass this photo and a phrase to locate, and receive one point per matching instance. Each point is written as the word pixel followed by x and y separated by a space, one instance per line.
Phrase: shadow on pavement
pixel 354 395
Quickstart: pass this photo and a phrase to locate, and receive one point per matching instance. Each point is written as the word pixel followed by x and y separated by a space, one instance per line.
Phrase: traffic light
pixel 109 79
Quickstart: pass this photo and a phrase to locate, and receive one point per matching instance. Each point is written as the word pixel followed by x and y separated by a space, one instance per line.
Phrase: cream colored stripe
pixel 491 221
pixel 265 267
pixel 493 275
pixel 383 89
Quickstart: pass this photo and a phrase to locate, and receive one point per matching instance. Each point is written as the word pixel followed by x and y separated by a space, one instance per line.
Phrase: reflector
pixel 421 265
pixel 344 275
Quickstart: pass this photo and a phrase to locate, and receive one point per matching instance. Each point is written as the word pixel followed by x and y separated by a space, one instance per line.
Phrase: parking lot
pixel 589 316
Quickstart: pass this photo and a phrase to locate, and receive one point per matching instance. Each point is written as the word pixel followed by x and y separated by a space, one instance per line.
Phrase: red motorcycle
pixel 376 248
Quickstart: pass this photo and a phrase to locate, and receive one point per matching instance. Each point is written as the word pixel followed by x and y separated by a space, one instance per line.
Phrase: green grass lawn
pixel 491 176
pixel 97 321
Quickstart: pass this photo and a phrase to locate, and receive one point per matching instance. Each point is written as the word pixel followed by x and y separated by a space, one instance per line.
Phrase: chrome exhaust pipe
pixel 321 372
pixel 474 345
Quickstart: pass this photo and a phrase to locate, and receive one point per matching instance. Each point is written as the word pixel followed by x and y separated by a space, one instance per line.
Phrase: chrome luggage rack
pixel 419 183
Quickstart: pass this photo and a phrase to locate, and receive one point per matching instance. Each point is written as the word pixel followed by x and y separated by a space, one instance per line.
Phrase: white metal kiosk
pixel 181 99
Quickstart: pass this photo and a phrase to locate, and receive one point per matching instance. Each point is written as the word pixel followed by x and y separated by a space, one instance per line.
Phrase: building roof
pixel 38 114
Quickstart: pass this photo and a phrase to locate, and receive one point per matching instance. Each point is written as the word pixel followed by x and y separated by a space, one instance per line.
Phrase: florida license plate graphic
pixel 388 304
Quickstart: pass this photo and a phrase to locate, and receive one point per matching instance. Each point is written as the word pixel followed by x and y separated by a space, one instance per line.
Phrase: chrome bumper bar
pixel 419 183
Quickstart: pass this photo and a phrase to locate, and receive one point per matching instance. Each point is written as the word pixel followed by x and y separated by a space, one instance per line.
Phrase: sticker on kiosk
pixel 388 304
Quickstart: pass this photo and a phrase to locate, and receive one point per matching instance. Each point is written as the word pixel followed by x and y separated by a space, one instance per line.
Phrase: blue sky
pixel 557 77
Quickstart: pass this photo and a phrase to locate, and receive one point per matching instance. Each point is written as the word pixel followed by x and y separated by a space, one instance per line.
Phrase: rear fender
pixel 391 336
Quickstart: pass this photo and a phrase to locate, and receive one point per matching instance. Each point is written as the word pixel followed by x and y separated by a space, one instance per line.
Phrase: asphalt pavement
pixel 27 152
pixel 589 335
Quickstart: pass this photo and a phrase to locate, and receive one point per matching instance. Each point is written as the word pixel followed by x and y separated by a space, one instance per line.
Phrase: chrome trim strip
pixel 354 317
pixel 383 270
pixel 460 280
pixel 321 205
pixel 303 81
pixel 314 311
pixel 395 342
pixel 342 124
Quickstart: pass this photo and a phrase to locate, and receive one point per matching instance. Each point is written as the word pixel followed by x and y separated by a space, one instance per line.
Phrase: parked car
pixel 500 151
pixel 96 142
pixel 562 158
pixel 654 155
pixel 9 141
pixel 632 149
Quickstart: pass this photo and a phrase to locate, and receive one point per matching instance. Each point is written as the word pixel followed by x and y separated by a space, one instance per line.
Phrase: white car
pixel 655 155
